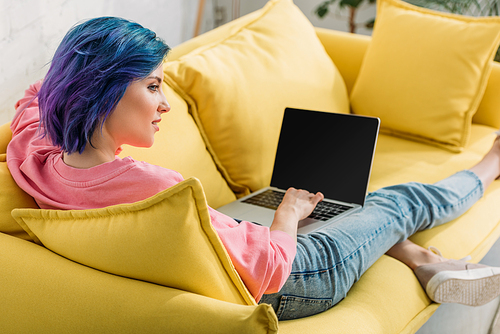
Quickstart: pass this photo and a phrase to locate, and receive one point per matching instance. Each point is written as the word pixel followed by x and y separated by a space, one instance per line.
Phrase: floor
pixel 460 319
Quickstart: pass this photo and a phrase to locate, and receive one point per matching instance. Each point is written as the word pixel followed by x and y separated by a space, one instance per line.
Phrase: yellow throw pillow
pixel 167 239
pixel 238 87
pixel 425 72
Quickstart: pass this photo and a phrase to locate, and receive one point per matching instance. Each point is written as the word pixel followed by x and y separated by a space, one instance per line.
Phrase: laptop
pixel 317 151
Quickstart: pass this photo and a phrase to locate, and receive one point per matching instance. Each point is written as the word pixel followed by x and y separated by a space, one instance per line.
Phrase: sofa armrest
pixel 43 292
pixel 488 112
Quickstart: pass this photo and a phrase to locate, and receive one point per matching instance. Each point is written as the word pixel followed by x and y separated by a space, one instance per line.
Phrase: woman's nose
pixel 164 107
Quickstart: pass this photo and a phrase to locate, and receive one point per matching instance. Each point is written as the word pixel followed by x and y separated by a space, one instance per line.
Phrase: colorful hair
pixel 89 73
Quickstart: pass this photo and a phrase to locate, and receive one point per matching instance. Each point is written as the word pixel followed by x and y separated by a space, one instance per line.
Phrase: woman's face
pixel 135 119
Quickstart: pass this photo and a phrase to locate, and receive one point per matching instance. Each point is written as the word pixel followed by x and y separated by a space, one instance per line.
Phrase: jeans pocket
pixel 294 307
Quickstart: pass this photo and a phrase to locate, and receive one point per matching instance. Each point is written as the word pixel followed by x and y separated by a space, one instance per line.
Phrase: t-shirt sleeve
pixel 26 109
pixel 263 258
pixel 26 136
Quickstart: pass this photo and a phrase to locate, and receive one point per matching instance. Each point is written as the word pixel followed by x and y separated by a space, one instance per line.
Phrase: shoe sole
pixel 472 287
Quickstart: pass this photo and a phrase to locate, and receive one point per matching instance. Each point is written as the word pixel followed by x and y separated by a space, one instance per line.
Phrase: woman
pixel 103 90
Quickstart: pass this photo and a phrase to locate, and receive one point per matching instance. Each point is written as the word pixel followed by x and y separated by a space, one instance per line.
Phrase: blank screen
pixel 327 152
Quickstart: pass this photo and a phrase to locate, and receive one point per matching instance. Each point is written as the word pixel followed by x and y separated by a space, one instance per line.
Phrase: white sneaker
pixel 456 281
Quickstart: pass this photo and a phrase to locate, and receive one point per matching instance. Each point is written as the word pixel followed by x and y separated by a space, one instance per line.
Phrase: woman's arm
pixel 264 256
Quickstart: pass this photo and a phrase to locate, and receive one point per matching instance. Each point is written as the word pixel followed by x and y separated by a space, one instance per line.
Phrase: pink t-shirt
pixel 263 258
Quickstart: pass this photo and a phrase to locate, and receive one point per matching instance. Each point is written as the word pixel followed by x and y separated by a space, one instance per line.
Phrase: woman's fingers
pixel 302 201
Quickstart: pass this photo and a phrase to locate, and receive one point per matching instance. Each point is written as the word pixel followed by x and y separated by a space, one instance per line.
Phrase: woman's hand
pixel 296 205
pixel 302 202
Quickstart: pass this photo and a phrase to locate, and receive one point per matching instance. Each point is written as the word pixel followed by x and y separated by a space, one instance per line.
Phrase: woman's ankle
pixel 413 255
pixel 426 257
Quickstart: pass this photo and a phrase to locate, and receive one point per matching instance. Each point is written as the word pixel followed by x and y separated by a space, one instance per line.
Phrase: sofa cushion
pixel 43 292
pixel 238 87
pixel 167 239
pixel 11 196
pixel 425 72
pixel 179 146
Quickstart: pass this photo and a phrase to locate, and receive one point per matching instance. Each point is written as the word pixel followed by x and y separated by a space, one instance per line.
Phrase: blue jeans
pixel 330 261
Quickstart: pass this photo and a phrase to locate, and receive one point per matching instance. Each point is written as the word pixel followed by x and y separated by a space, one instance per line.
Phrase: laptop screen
pixel 327 152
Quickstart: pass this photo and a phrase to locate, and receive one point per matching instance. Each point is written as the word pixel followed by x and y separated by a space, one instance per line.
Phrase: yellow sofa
pixel 228 89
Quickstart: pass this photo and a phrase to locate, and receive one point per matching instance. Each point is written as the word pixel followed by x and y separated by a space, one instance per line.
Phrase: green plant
pixel 463 7
pixel 324 8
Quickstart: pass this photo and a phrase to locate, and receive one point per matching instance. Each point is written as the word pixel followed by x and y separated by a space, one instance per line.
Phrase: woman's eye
pixel 154 88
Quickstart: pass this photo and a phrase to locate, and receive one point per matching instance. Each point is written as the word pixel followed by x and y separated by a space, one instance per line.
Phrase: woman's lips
pixel 155 124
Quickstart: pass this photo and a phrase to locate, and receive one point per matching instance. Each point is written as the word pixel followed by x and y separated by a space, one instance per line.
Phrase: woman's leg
pixel 487 170
pixel 451 280
pixel 329 262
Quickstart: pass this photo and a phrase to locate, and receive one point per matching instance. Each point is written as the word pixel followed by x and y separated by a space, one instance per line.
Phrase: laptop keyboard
pixel 271 199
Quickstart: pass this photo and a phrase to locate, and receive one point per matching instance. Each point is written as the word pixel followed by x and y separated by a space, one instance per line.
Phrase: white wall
pixel 30 30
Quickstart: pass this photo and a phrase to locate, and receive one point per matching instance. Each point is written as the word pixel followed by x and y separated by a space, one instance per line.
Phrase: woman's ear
pixel 118 150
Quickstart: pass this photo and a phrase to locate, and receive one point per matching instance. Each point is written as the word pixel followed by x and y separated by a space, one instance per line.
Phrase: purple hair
pixel 89 73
